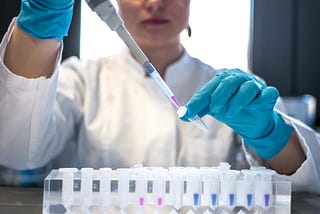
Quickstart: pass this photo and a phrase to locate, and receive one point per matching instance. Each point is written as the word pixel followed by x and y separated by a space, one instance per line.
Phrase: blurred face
pixel 155 22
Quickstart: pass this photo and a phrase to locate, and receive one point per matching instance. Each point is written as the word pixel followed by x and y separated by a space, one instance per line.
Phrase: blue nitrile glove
pixel 46 19
pixel 246 104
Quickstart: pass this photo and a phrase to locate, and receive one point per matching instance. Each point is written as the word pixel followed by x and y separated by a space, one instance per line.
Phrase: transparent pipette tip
pixel 196 120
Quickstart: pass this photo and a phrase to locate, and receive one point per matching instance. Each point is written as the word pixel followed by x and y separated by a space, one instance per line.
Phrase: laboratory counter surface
pixel 28 200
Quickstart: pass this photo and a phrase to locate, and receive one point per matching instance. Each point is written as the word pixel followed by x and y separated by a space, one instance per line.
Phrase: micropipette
pixel 108 14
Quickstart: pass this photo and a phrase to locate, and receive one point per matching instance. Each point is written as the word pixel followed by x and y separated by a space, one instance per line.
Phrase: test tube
pixel 196 120
pixel 86 186
pixel 210 179
pixel 263 188
pixel 105 186
pixel 246 188
pixel 141 186
pixel 158 186
pixel 176 187
pixel 193 188
pixel 67 186
pixel 123 187
pixel 228 185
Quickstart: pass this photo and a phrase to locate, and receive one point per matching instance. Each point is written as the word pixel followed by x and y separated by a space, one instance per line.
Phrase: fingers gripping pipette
pixel 109 15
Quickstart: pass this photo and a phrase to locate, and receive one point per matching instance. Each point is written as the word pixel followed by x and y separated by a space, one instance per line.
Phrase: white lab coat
pixel 107 113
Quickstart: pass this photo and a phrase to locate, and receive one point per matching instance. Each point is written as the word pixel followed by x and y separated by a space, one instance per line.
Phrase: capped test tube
pixel 176 187
pixel 67 186
pixel 105 186
pixel 228 185
pixel 210 188
pixel 263 188
pixel 123 187
pixel 141 186
pixel 159 185
pixel 193 187
pixel 86 186
pixel 246 188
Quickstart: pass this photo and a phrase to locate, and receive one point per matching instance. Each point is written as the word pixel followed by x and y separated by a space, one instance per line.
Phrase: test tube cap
pixel 196 120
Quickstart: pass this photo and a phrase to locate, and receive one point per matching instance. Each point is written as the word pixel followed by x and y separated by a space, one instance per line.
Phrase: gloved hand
pixel 46 19
pixel 246 105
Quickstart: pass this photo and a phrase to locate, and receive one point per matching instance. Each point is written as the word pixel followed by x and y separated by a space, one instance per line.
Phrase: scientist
pixel 110 113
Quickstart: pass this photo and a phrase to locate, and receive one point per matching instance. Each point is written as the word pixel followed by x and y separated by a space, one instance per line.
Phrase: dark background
pixel 286 46
pixel 10 9
pixel 285 43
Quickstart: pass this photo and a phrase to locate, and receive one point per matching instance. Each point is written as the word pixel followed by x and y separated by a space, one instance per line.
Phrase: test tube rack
pixel 166 190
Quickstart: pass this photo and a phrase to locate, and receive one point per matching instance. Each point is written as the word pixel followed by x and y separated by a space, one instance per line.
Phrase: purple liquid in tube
pixel 141 201
pixel 175 101
pixel 267 200
pixel 159 202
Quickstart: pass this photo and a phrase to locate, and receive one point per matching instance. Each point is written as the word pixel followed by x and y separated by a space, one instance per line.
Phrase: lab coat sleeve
pixel 307 177
pixel 28 124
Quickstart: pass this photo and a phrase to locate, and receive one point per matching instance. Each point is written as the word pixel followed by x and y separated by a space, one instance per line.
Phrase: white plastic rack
pixel 166 190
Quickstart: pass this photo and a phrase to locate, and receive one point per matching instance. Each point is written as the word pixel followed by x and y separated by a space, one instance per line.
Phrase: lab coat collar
pixel 133 62
pixel 178 70
pixel 180 65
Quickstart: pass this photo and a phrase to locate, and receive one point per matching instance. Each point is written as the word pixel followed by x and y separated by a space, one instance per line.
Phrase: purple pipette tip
pixel 175 101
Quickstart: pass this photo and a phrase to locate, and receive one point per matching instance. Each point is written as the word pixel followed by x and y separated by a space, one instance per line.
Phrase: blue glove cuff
pixel 43 22
pixel 270 145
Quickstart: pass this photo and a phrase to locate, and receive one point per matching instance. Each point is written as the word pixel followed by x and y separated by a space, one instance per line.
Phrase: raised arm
pixel 36 39
pixel 31 57
pixel 28 119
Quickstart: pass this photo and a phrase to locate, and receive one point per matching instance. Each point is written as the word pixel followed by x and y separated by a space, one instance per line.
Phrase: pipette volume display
pixel 109 15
